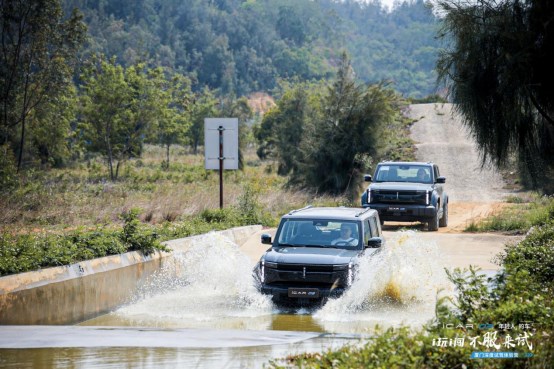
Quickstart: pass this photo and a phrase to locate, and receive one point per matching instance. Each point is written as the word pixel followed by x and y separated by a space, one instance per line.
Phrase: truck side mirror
pixel 367 178
pixel 374 242
pixel 266 239
pixel 441 179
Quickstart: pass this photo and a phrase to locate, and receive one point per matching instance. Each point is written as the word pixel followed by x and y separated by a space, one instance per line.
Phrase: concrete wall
pixel 74 293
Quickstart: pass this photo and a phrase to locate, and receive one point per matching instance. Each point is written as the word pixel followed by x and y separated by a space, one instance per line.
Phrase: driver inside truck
pixel 345 238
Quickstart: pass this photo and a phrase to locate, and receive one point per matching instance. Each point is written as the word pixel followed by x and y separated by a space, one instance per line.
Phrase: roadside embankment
pixel 74 293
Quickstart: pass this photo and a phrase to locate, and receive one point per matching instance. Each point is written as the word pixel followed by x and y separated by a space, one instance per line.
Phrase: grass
pixel 82 196
pixel 522 214
pixel 63 216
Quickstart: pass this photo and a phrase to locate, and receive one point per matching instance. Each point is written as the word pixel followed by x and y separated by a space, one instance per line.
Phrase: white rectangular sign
pixel 230 136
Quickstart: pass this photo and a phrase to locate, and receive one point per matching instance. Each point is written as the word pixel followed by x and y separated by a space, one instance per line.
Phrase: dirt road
pixel 473 192
pixel 440 137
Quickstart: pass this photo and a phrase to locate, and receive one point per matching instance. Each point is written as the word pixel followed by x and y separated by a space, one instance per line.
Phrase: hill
pixel 239 47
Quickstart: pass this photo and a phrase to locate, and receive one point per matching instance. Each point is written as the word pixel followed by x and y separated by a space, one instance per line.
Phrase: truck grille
pixel 309 268
pixel 399 197
pixel 322 275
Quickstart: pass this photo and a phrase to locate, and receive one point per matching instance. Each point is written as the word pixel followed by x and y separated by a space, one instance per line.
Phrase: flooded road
pixel 204 311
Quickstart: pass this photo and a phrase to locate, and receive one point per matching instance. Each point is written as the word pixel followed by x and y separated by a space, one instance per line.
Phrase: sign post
pixel 221 147
pixel 221 158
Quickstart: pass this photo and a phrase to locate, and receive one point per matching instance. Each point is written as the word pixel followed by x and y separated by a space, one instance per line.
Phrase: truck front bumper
pixel 291 294
pixel 404 213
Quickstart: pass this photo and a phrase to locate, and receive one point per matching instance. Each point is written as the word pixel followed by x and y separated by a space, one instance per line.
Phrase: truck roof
pixel 339 213
pixel 407 162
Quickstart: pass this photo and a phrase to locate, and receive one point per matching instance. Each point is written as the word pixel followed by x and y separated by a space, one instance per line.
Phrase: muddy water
pixel 203 311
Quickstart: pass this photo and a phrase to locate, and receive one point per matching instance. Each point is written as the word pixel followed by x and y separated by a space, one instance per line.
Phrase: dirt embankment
pixel 474 192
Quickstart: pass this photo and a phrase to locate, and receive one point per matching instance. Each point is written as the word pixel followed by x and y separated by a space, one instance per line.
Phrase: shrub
pixel 139 237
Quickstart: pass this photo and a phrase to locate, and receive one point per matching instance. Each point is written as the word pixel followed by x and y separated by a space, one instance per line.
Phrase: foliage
pixel 500 82
pixel 435 98
pixel 238 47
pixel 327 140
pixel 136 237
pixel 205 106
pixel 120 108
pixel 8 170
pixel 38 52
pixel 172 98
pixel 521 293
pixel 283 128
pixel 26 252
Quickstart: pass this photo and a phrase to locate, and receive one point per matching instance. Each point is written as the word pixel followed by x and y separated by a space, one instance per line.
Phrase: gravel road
pixel 441 138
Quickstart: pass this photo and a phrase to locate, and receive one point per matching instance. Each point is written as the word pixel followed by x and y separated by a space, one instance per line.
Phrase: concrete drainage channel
pixel 74 293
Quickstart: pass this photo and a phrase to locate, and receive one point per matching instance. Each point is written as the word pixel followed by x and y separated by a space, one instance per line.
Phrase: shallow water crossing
pixel 203 310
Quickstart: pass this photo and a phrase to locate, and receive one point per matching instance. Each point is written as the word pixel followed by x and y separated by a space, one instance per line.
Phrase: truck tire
pixel 433 224
pixel 443 222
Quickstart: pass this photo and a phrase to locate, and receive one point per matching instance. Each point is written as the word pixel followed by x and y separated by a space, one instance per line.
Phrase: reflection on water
pixel 249 357
pixel 130 357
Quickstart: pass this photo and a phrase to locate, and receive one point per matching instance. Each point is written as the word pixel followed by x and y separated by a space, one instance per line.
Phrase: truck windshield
pixel 319 233
pixel 403 173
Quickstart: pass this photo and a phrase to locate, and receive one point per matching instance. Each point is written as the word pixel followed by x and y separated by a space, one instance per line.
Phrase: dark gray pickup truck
pixel 315 251
pixel 408 192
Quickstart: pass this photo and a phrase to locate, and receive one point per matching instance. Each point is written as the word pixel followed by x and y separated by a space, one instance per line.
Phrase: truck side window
pixel 367 231
pixel 373 225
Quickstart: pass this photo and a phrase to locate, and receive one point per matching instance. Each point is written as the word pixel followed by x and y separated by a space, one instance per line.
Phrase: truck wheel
pixel 433 224
pixel 443 222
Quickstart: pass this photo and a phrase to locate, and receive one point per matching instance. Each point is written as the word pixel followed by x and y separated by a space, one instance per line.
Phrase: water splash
pixel 211 281
pixel 397 285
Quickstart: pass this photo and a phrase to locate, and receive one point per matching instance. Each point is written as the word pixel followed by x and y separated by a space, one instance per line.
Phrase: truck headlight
pixel 427 197
pixel 350 278
pixel 369 196
pixel 266 266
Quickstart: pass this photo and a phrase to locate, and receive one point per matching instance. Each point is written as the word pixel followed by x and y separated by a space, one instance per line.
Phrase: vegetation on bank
pixel 513 312
pixel 32 251
pixel 518 217
pixel 62 216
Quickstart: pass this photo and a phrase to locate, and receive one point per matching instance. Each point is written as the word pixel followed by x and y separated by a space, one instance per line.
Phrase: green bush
pixel 137 236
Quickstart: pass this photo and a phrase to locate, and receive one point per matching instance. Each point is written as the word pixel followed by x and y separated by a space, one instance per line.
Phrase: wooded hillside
pixel 239 46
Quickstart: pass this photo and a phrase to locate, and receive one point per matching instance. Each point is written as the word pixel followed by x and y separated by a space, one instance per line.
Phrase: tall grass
pixel 83 196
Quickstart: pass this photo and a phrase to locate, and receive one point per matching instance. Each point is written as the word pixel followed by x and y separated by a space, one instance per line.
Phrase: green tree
pixel 204 106
pixel 50 129
pixel 282 128
pixel 497 70
pixel 118 107
pixel 338 147
pixel 37 56
pixel 173 99
pixel 325 137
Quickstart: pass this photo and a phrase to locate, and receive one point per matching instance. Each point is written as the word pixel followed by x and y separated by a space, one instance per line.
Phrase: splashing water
pixel 211 285
pixel 397 285
pixel 209 282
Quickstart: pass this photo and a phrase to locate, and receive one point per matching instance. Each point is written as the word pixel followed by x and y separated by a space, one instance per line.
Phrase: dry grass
pixel 82 196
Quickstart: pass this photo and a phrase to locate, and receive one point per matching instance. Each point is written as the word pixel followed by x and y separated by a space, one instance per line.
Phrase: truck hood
pixel 401 186
pixel 310 255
